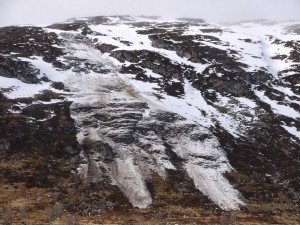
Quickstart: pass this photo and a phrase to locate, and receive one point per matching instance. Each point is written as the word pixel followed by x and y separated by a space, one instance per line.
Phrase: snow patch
pixel 46 69
pixel 292 130
pixel 277 108
pixel 17 89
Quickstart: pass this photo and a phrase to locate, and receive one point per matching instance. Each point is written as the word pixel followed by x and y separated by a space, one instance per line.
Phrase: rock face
pixel 135 104
pixel 22 71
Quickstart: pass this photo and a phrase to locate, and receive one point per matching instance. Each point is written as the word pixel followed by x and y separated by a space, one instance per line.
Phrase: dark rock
pixel 106 47
pixel 2 97
pixel 23 71
pixel 98 20
pixel 123 56
pixel 174 89
pixel 75 26
pixel 155 62
pixel 4 145
pixel 58 85
pixel 133 69
pixel 152 31
pixel 190 49
pixel 214 30
pixel 29 41
pixel 192 20
pixel 167 117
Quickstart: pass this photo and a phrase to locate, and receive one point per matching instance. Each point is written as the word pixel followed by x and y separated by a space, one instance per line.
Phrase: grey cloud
pixel 49 11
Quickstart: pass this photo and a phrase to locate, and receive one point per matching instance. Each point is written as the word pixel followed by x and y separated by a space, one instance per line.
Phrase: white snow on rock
pixel 278 108
pixel 46 69
pixel 265 44
pixel 14 88
pixel 205 164
pixel 293 131
pixel 129 103
pixel 18 89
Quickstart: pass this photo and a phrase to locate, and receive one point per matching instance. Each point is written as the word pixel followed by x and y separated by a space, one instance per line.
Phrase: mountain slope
pixel 130 102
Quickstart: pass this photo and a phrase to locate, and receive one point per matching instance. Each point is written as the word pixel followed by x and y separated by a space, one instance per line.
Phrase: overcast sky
pixel 49 11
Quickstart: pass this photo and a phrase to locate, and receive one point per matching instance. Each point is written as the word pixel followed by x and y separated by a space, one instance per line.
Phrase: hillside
pixel 136 120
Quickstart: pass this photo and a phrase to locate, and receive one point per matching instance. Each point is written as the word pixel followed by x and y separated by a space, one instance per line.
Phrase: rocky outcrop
pixel 159 65
pixel 20 70
pixel 231 79
pixel 106 47
pixel 30 41
pixel 188 47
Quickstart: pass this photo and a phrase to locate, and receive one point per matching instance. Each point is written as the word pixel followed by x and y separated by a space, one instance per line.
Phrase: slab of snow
pixel 265 36
pixel 46 69
pixel 247 102
pixel 205 164
pixel 285 90
pixel 293 131
pixel 131 182
pixel 213 184
pixel 189 107
pixel 277 108
pixel 150 73
pixel 18 89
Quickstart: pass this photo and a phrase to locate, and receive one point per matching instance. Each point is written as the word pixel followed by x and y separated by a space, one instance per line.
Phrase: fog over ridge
pixel 50 11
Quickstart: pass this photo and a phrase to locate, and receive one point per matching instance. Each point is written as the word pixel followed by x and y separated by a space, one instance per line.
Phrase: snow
pixel 277 108
pixel 292 130
pixel 46 69
pixel 213 184
pixel 252 53
pixel 90 90
pixel 19 105
pixel 193 30
pixel 150 73
pixel 234 119
pixel 18 89
pixel 285 90
pixel 123 32
pixel 209 181
pixel 99 91
pixel 206 164
pixel 194 108
pixel 127 32
pixel 247 102
pixel 265 35
pixel 132 183
pixel 188 107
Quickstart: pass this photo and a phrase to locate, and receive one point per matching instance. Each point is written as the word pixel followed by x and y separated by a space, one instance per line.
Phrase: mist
pixel 14 12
